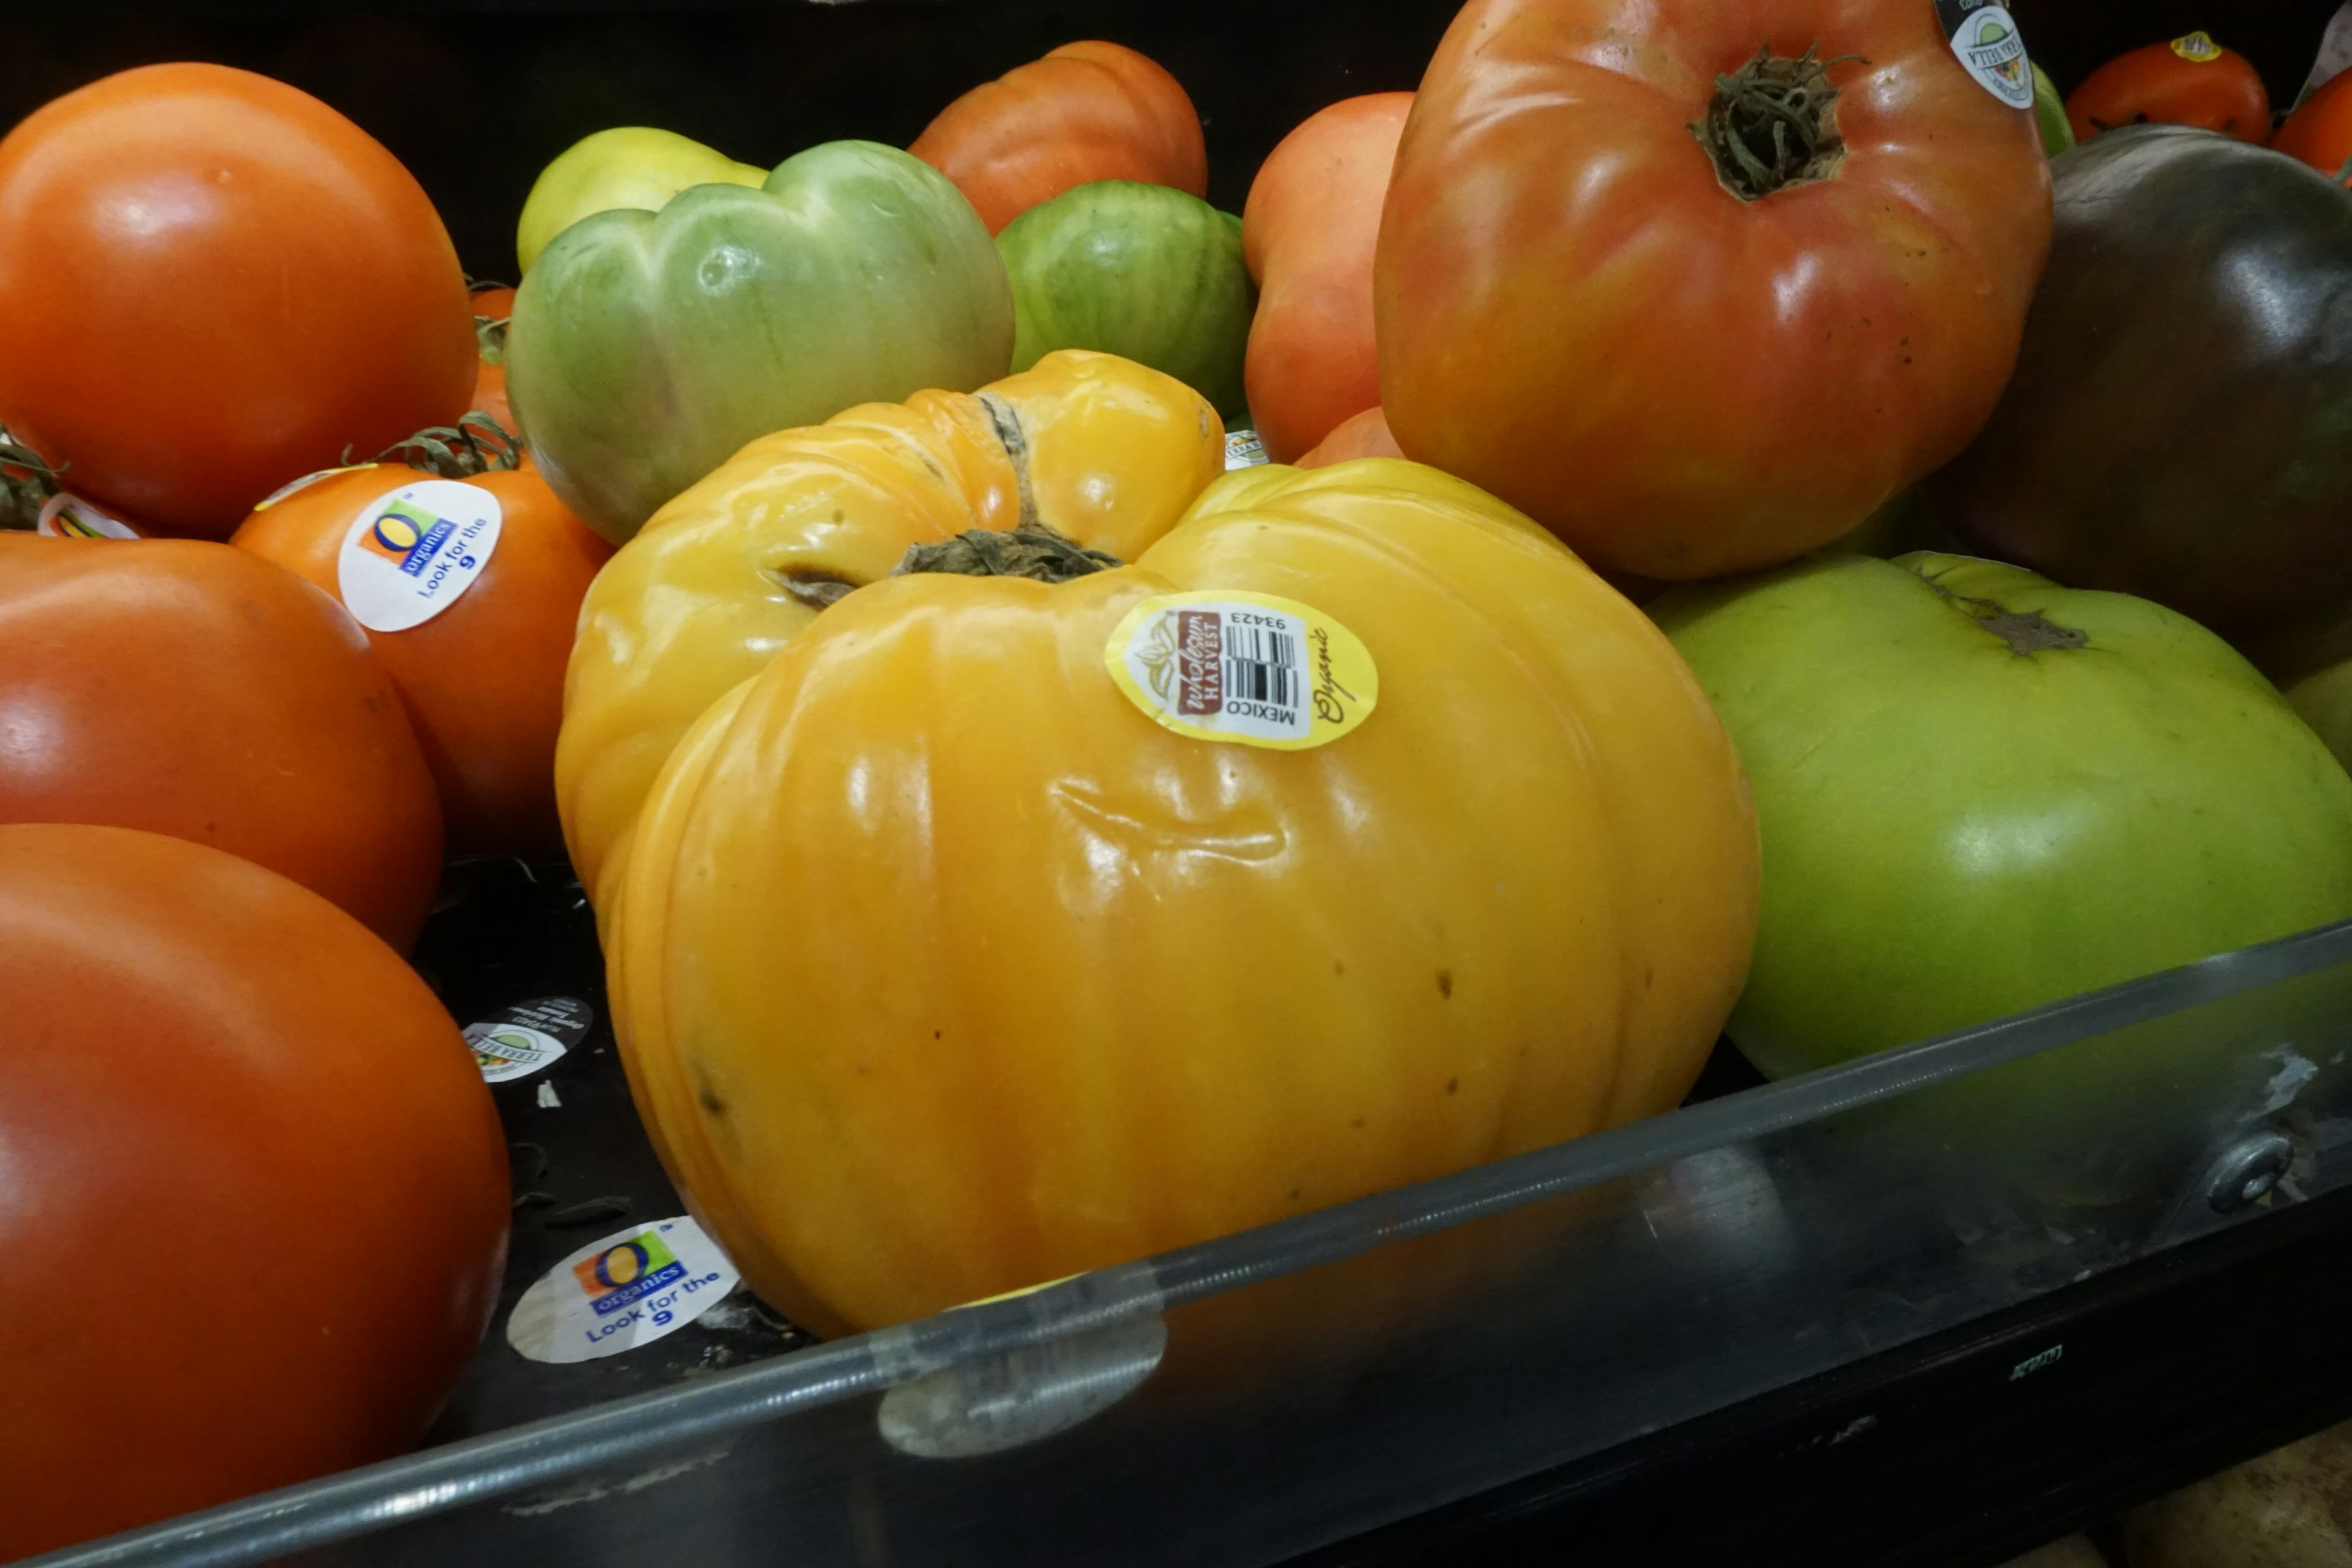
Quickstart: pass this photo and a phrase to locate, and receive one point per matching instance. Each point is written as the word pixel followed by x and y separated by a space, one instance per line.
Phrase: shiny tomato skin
pixel 185 687
pixel 257 1168
pixel 2320 133
pixel 1576 314
pixel 2161 84
pixel 483 680
pixel 211 283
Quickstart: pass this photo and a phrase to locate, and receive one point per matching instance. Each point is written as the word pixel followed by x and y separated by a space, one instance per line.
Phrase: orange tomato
pixel 188 689
pixel 213 283
pixel 1680 369
pixel 1364 434
pixel 1087 111
pixel 483 679
pixel 2320 133
pixel 253 1156
pixel 490 394
pixel 2191 80
pixel 1307 233
pixel 493 308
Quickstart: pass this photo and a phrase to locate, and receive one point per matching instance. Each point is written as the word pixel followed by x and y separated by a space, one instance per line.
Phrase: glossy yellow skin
pixel 1102 450
pixel 942 970
pixel 628 166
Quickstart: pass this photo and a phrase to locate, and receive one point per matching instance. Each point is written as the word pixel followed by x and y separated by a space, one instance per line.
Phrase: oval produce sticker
pixel 1984 36
pixel 1244 450
pixel 65 516
pixel 528 1035
pixel 631 1289
pixel 414 553
pixel 1246 667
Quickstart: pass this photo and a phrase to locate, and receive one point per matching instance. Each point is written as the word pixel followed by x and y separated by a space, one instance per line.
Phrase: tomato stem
pixel 27 482
pixel 475 444
pixel 1037 554
pixel 1772 124
pixel 490 338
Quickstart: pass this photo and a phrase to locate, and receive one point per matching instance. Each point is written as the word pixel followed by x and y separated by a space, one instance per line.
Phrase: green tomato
pixel 1979 792
pixel 632 166
pixel 1147 272
pixel 648 348
pixel 2050 110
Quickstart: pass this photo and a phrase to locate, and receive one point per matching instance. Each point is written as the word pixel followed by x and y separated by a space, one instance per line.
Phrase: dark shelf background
pixel 477 97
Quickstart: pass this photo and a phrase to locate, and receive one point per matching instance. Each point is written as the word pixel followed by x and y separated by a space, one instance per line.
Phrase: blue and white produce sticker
pixel 414 553
pixel 634 1287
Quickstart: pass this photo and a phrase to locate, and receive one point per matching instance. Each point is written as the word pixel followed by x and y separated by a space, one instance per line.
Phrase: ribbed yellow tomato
pixel 1101 450
pixel 942 969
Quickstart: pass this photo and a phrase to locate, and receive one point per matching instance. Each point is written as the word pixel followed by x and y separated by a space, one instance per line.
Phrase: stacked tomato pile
pixel 1023 837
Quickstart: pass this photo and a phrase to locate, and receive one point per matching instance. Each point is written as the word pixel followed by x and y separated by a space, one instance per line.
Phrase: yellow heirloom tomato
pixel 1096 449
pixel 995 928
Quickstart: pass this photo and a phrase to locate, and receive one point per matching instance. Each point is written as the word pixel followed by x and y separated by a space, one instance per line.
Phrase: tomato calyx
pixel 26 483
pixel 474 445
pixel 1037 554
pixel 2027 632
pixel 1772 124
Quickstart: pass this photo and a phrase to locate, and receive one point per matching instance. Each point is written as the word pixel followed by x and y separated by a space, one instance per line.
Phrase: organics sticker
pixel 1243 450
pixel 631 1289
pixel 65 516
pixel 1985 38
pixel 2197 47
pixel 1246 667
pixel 528 1035
pixel 414 553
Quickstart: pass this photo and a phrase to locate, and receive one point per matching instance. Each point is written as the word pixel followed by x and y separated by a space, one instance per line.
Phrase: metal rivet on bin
pixel 2247 1173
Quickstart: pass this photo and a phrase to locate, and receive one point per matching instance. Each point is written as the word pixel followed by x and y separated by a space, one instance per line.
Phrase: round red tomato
pixel 210 283
pixel 189 689
pixel 1681 366
pixel 2191 80
pixel 2320 133
pixel 257 1165
pixel 483 679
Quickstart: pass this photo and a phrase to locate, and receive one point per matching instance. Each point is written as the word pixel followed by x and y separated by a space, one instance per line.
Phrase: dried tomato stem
pixel 475 444
pixel 1772 124
pixel 1039 555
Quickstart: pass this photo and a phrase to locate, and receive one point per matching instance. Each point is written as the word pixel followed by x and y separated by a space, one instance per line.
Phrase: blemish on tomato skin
pixel 1446 983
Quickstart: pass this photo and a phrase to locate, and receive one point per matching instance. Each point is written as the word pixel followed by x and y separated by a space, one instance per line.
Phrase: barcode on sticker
pixel 1248 668
pixel 1261 666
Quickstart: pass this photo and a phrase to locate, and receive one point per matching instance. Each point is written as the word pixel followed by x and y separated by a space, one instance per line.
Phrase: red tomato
pixel 1364 434
pixel 213 283
pixel 1088 110
pixel 186 687
pixel 2191 80
pixel 483 679
pixel 257 1162
pixel 2320 133
pixel 1307 232
pixel 491 301
pixel 1679 368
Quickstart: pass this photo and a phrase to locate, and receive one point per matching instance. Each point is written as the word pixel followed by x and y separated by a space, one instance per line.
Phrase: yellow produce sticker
pixel 2197 47
pixel 1246 667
